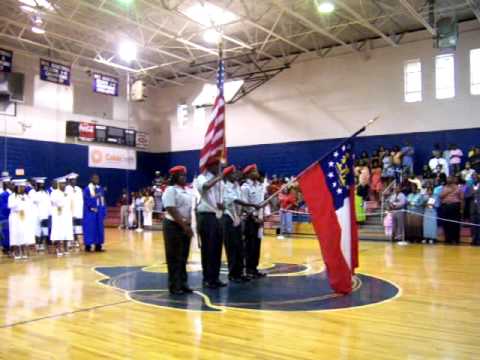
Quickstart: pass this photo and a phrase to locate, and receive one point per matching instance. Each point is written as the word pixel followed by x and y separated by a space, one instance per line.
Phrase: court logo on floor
pixel 288 287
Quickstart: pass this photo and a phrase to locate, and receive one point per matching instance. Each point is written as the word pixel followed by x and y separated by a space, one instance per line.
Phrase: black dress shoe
pixel 210 285
pixel 88 248
pixel 187 290
pixel 220 283
pixel 177 292
pixel 256 275
pixel 235 279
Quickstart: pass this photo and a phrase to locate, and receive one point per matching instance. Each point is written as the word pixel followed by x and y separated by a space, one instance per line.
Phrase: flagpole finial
pixel 371 121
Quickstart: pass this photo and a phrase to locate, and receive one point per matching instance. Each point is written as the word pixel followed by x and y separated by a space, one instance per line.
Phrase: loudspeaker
pixel 73 129
pixel 447 33
pixel 16 85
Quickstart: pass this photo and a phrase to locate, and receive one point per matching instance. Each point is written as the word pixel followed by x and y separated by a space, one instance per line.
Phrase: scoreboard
pixel 90 132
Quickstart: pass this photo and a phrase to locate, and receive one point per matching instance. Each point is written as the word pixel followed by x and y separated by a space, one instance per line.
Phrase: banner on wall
pixel 105 84
pixel 112 158
pixel 142 140
pixel 6 60
pixel 86 131
pixel 55 72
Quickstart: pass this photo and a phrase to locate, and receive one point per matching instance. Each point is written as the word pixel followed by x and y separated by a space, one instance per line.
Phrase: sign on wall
pixel 105 84
pixel 142 140
pixel 86 131
pixel 55 72
pixel 112 157
pixel 6 60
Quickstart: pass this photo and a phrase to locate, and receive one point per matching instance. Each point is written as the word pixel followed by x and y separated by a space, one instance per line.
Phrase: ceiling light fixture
pixel 37 30
pixel 38 20
pixel 208 14
pixel 127 51
pixel 212 36
pixel 325 7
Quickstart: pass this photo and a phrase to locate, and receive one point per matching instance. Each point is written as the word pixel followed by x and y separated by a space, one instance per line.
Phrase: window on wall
pixel 413 80
pixel 445 76
pixel 475 72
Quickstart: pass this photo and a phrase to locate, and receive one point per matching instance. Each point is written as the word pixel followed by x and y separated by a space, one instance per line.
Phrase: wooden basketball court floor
pixel 417 302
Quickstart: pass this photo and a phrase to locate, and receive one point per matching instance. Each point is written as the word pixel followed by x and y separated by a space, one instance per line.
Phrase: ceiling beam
pixel 365 23
pixel 475 6
pixel 310 24
pixel 418 17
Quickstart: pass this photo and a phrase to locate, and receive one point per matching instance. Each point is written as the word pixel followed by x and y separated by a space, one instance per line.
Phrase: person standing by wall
pixel 209 212
pixel 452 204
pixel 94 212
pixel 5 213
pixel 430 227
pixel 475 211
pixel 177 230
pixel 397 203
pixel 288 202
pixel 414 219
pixel 148 207
pixel 139 209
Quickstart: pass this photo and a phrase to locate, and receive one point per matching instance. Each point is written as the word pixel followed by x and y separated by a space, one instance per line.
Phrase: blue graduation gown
pixel 93 228
pixel 4 214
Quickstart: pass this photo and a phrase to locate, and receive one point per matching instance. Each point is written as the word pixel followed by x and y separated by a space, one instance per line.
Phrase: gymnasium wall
pixel 321 99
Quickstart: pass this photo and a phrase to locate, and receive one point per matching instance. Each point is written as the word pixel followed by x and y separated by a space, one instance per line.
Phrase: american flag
pixel 214 146
pixel 329 191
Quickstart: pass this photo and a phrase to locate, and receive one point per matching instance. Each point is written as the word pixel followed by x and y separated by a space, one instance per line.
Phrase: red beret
pixel 228 170
pixel 249 168
pixel 178 169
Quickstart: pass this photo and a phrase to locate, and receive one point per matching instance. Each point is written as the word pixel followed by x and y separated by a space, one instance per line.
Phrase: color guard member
pixel 253 193
pixel 232 225
pixel 209 212
pixel 21 220
pixel 177 231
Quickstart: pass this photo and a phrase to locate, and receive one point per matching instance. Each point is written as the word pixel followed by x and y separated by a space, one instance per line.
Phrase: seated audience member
pixel 363 181
pixel 407 152
pixel 451 199
pixel 471 152
pixel 430 218
pixel 414 220
pixel 374 159
pixel 475 160
pixel 475 211
pixel 381 153
pixel 397 202
pixel 438 164
pixel 427 173
pixel 456 155
pixel 376 180
pixel 468 173
pixel 364 157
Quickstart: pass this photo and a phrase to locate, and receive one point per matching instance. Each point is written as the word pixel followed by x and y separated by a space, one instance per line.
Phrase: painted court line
pixel 63 314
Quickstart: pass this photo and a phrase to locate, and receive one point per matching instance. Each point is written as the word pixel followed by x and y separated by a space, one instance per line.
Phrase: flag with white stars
pixel 329 191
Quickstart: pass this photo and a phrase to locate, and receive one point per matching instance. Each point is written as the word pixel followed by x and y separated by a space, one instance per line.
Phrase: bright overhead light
pixel 38 20
pixel 326 7
pixel 38 30
pixel 209 92
pixel 212 36
pixel 208 14
pixel 127 51
pixel 38 3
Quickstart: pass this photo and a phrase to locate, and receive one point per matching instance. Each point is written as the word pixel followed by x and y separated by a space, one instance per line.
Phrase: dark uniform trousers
pixel 210 232
pixel 252 244
pixel 232 236
pixel 177 248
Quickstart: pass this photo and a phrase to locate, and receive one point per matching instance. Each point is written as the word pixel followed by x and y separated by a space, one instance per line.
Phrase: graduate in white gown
pixel 41 200
pixel 62 225
pixel 76 193
pixel 21 220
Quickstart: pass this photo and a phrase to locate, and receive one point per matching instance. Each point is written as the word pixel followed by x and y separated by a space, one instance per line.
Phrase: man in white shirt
pixel 438 164
pixel 209 212
pixel 76 194
pixel 253 193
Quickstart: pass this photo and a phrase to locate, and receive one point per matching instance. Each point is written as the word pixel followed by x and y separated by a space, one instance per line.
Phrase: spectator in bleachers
pixel 397 203
pixel 414 223
pixel 438 164
pixel 475 160
pixel 407 158
pixel 427 173
pixel 468 173
pixel 381 153
pixel 430 229
pixel 364 157
pixel 397 157
pixel 467 189
pixel 374 159
pixel 475 211
pixel 451 199
pixel 387 162
pixel 376 180
pixel 363 187
pixel 456 156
